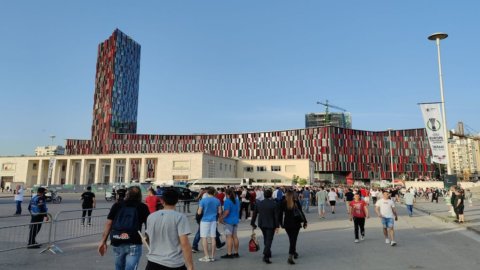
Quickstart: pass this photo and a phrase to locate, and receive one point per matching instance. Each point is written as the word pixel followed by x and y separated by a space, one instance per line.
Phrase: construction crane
pixel 327 106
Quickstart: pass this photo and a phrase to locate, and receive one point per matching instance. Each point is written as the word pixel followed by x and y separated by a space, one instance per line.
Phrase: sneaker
pixel 204 259
pixel 393 243
pixel 362 237
pixel 333 212
pixel 356 241
pixel 212 259
pixel 227 256
pixel 235 255
pixel 195 250
pixel 387 241
pixel 89 224
pixel 221 246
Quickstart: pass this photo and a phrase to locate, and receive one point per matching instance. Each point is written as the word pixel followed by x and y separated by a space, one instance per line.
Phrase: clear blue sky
pixel 236 66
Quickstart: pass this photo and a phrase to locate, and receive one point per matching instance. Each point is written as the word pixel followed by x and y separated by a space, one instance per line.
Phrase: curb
pixel 447 220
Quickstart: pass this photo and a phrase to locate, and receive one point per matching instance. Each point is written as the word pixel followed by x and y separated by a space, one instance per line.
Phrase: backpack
pixel 125 225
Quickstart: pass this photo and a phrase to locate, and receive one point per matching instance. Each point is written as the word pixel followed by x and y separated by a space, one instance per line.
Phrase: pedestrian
pixel 38 211
pixel 230 219
pixel 292 218
pixel 321 197
pixel 468 197
pixel 88 198
pixel 374 195
pixel 358 213
pixel 332 198
pixel 167 235
pixel 245 199
pixel 409 198
pixel 267 212
pixel 210 209
pixel 459 205
pixel 152 201
pixel 385 209
pixel 306 199
pixel 19 192
pixel 348 199
pixel 123 230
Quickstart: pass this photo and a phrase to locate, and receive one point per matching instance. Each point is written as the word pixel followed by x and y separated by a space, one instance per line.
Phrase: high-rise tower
pixel 116 89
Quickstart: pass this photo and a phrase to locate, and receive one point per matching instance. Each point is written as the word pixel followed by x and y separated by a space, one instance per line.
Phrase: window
pixel 248 169
pixel 180 177
pixel 34 166
pixel 221 166
pixel 181 165
pixel 261 168
pixel 275 181
pixel 261 181
pixel 276 168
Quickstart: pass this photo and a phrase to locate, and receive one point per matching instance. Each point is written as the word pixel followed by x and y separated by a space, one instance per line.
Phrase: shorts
pixel 231 229
pixel 387 222
pixel 332 203
pixel 208 229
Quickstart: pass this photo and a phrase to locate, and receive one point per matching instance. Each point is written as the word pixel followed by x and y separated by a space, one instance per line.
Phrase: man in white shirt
pixel 409 198
pixel 332 198
pixel 19 192
pixel 259 194
pixel 385 209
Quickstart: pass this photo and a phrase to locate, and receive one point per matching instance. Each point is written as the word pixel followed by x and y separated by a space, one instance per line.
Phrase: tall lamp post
pixel 437 37
pixel 391 155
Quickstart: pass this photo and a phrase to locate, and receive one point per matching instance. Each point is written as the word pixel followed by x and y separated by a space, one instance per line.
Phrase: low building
pixel 51 150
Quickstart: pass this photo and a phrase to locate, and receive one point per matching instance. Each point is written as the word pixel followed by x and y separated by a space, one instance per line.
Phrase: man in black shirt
pixel 88 198
pixel 348 199
pixel 127 245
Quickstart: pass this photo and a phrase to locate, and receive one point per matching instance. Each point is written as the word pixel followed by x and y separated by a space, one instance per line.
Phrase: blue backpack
pixel 125 225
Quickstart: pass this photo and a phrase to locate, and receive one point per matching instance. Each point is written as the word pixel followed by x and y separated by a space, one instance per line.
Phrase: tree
pixel 295 179
pixel 302 182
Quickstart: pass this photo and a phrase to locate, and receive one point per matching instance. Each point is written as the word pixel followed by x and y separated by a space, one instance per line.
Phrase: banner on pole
pixel 434 125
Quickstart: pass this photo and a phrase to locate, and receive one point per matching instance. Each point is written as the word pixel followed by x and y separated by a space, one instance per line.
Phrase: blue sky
pixel 236 66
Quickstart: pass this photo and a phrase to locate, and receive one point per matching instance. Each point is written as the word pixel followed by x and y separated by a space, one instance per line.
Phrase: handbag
pixel 297 214
pixel 253 245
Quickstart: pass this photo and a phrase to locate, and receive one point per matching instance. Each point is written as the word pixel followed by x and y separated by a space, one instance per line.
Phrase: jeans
pixel 410 210
pixel 292 239
pixel 127 256
pixel 244 205
pixel 196 240
pixel 156 266
pixel 306 205
pixel 19 208
pixel 359 223
pixel 267 241
pixel 87 213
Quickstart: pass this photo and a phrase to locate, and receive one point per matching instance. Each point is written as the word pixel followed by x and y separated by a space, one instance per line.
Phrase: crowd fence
pixel 64 226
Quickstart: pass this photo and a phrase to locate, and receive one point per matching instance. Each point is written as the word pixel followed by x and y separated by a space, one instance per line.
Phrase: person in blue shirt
pixel 38 211
pixel 210 207
pixel 230 219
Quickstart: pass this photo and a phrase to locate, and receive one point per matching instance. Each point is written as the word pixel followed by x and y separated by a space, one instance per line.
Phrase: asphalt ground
pixel 424 242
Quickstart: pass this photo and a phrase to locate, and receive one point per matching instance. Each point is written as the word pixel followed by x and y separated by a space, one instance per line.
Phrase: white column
pixel 128 169
pixel 68 174
pixel 54 173
pixel 98 169
pixel 83 164
pixel 143 169
pixel 40 172
pixel 112 171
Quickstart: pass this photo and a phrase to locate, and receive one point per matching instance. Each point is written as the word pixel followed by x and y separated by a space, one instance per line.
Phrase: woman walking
pixel 291 219
pixel 230 219
pixel 358 213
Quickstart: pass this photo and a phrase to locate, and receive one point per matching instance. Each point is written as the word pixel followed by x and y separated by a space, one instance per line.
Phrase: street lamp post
pixel 437 37
pixel 391 155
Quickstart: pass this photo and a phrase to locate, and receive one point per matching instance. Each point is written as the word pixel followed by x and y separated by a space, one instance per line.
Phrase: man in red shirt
pixel 221 195
pixel 358 213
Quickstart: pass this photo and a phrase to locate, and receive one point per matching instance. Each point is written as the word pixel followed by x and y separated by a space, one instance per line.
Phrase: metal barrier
pixel 70 225
pixel 17 236
pixel 66 225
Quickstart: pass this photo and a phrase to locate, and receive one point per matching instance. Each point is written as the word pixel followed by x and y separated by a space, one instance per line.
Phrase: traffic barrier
pixel 14 237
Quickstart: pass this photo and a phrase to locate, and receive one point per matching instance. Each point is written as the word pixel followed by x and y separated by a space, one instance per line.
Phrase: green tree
pixel 302 182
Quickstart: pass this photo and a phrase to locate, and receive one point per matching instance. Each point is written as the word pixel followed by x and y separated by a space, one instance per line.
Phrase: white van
pixel 218 182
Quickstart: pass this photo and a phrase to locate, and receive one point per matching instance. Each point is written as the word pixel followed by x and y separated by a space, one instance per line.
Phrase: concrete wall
pixel 288 169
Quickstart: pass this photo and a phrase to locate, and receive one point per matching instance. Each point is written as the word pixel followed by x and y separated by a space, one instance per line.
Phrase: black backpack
pixel 125 225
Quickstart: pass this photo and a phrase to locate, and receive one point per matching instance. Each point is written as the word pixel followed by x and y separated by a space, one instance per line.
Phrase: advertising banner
pixel 434 125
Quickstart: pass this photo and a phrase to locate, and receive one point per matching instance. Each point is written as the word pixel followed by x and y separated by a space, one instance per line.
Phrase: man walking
pixel 19 192
pixel 38 211
pixel 409 198
pixel 267 211
pixel 210 208
pixel 332 198
pixel 88 198
pixel 123 227
pixel 167 235
pixel 321 197
pixel 306 199
pixel 385 209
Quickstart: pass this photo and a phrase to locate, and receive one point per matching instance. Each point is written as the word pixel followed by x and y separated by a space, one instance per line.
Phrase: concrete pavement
pixel 424 242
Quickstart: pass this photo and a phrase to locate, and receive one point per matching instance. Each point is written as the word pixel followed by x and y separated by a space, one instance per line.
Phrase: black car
pixel 184 194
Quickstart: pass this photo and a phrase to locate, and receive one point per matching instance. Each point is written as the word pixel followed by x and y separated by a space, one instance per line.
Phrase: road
pixel 424 242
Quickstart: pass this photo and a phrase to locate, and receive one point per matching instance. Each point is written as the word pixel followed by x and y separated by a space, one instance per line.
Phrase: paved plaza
pixel 424 242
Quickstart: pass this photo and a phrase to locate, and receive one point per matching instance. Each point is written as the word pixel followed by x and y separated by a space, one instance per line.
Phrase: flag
pixel 434 126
